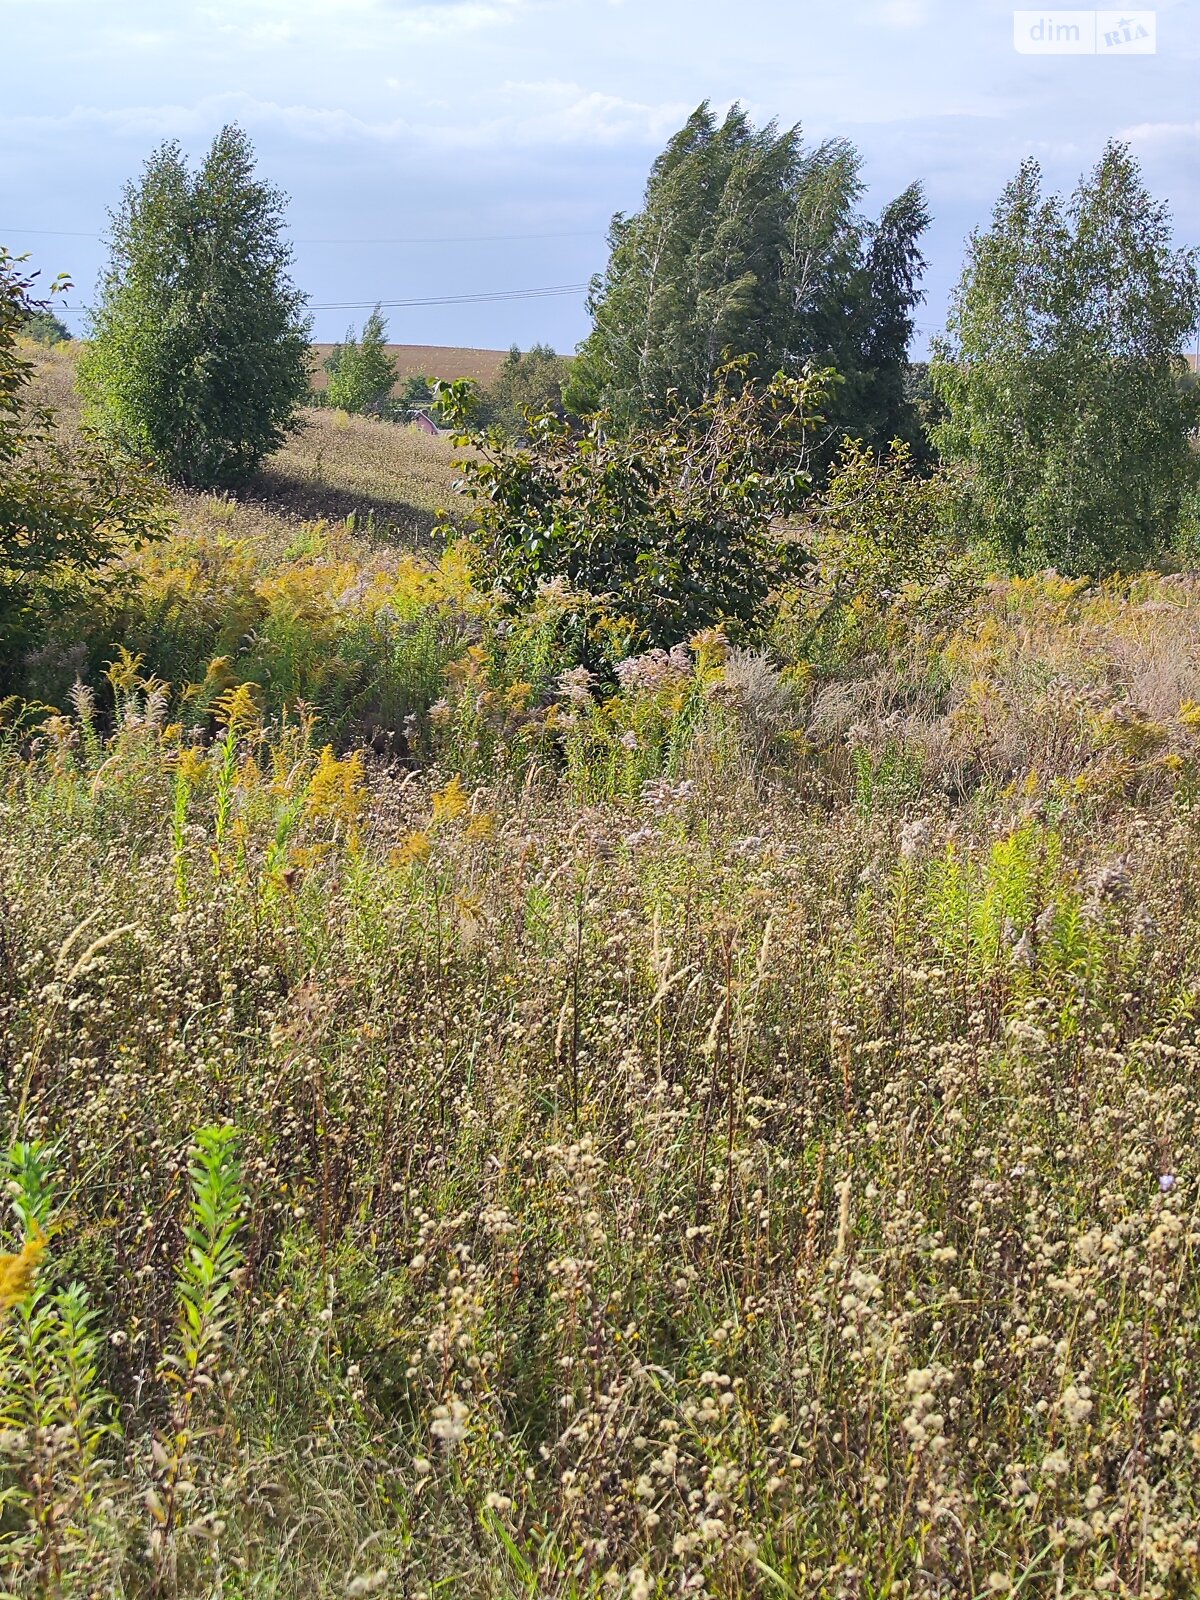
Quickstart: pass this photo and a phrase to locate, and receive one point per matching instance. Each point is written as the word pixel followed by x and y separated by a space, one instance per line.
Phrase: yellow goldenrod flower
pixel 451 801
pixel 414 848
pixel 17 1271
pixel 237 708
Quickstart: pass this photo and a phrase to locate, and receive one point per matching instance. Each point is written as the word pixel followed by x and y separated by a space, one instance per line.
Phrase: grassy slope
pixel 332 465
pixel 780 1180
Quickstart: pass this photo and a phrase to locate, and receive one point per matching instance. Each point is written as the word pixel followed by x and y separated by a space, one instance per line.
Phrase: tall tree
pixel 199 345
pixel 892 270
pixel 1060 373
pixel 361 373
pixel 529 381
pixel 751 244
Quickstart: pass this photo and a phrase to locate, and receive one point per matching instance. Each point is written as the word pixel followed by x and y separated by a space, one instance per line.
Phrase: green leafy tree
pixel 751 244
pixel 532 381
pixel 65 511
pixel 199 349
pixel 44 327
pixel 663 529
pixel 1060 373
pixel 361 373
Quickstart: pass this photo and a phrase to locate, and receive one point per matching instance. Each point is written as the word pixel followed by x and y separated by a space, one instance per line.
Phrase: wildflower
pixel 1167 1182
pixel 449 1423
pixel 660 794
pixel 337 790
pixel 481 826
pixel 411 849
pixel 1077 1404
pixel 369 1583
pixel 912 836
pixel 237 709
pixel 17 1271
pixel 650 672
pixel 575 685
pixel 192 766
pixel 450 802
pixel 1111 882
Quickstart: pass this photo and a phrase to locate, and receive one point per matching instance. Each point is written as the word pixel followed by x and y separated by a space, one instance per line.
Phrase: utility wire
pixel 481 238
pixel 488 297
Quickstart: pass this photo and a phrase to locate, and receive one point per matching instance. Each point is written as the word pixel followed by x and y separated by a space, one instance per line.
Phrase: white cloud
pixel 1162 134
pixel 903 13
pixel 537 115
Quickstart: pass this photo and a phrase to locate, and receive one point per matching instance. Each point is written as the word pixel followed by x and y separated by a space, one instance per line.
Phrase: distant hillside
pixel 428 360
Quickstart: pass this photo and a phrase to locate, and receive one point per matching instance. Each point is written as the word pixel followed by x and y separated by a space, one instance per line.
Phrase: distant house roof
pixel 425 422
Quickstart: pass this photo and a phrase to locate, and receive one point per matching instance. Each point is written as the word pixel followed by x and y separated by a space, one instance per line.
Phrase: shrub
pixel 662 531
pixel 64 513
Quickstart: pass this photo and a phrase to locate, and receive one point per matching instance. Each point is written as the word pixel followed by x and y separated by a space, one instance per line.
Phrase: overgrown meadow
pixel 479 1128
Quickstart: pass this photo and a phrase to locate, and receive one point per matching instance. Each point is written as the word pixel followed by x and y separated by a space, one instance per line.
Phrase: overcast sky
pixel 515 128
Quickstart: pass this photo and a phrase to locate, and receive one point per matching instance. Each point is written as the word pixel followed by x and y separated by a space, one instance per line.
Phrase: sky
pixel 438 148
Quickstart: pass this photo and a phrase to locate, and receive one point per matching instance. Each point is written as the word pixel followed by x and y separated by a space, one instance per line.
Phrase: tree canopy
pixel 199 346
pixel 1060 372
pixel 751 244
pixel 64 512
pixel 361 373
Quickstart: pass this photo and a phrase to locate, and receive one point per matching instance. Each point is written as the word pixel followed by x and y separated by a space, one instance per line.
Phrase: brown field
pixel 426 360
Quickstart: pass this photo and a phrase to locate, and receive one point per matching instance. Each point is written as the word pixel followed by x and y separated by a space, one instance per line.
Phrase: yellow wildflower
pixel 16 1271
pixel 451 801
pixel 337 789
pixel 238 708
pixel 412 849
pixel 481 826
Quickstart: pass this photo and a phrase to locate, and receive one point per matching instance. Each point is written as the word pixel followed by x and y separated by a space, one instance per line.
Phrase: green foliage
pixel 199 349
pixel 751 244
pixel 416 393
pixel 361 373
pixel 532 381
pixel 663 530
pixel 1060 374
pixel 886 554
pixel 43 327
pixel 65 513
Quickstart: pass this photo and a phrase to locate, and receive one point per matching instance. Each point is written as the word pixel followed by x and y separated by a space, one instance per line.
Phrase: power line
pixel 479 238
pixel 487 297
pixel 454 299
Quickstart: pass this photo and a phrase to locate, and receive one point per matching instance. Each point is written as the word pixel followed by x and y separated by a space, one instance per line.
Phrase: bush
pixel 662 531
pixel 64 514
